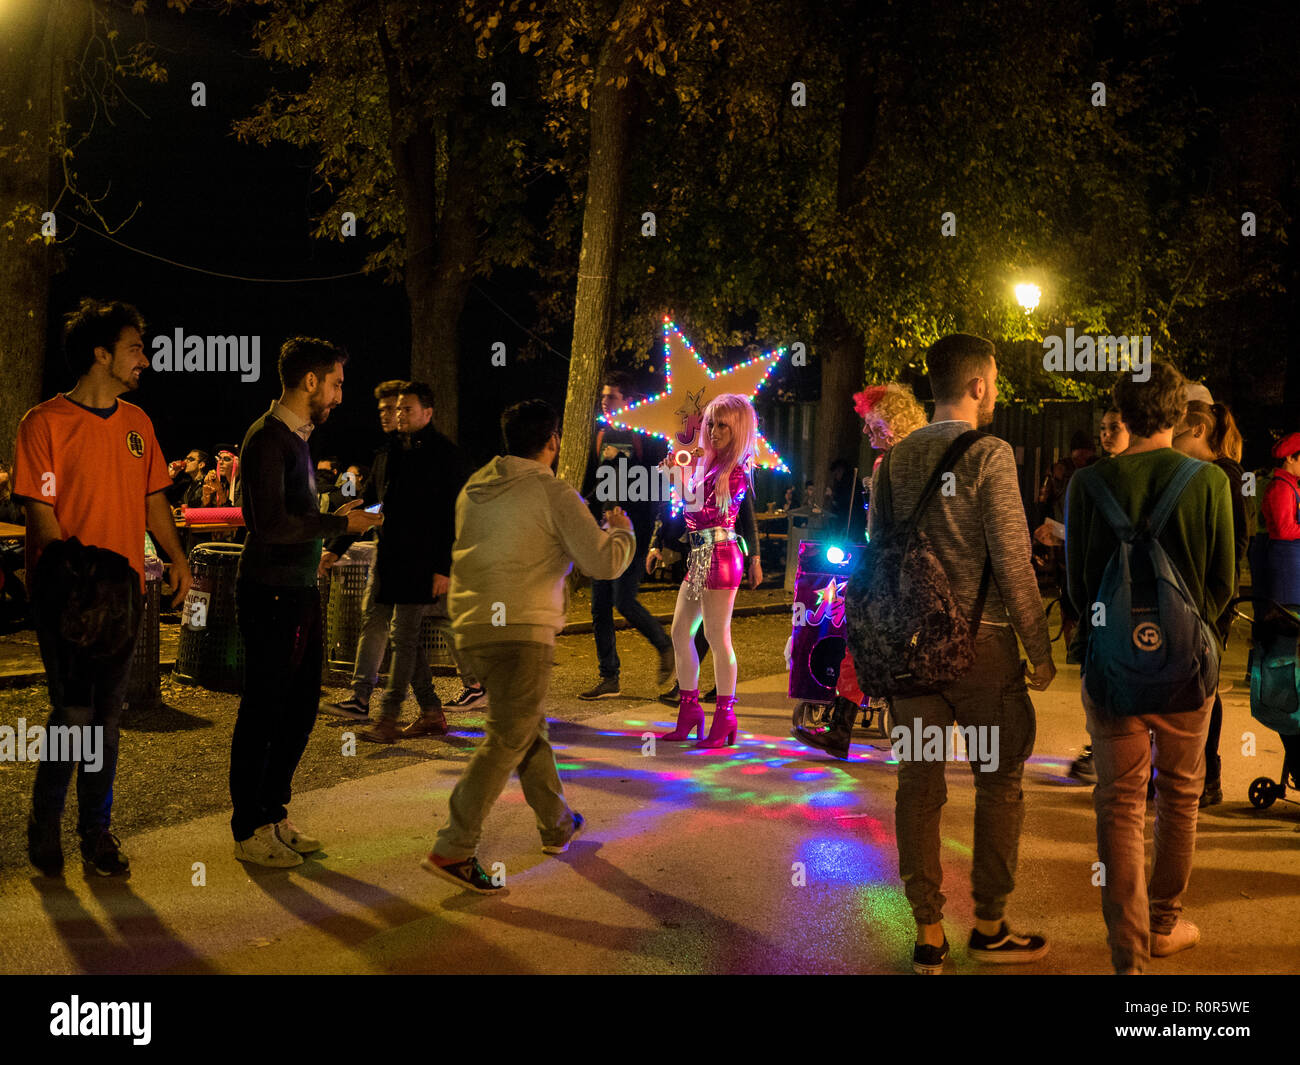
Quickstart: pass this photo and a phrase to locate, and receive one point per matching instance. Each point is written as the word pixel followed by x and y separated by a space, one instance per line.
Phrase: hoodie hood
pixel 500 475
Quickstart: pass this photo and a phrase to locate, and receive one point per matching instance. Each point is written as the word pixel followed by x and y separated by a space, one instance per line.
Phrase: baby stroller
pixel 1274 688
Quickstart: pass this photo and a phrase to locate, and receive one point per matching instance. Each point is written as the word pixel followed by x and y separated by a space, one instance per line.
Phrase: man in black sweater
pixel 277 604
pixel 413 560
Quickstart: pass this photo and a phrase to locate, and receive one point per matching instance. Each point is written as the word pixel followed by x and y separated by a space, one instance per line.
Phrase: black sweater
pixel 285 526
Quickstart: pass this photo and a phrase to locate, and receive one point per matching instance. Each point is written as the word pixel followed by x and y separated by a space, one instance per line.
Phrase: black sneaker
pixel 468 699
pixel 607 689
pixel 103 853
pixel 44 847
pixel 353 709
pixel 672 697
pixel 712 696
pixel 1212 794
pixel 1006 947
pixel 1082 768
pixel 927 960
pixel 468 874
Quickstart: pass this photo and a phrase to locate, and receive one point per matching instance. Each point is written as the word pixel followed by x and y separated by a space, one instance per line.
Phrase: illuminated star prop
pixel 674 415
pixel 830 601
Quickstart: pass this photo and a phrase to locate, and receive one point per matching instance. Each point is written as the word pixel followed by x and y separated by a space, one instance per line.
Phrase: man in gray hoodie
pixel 518 533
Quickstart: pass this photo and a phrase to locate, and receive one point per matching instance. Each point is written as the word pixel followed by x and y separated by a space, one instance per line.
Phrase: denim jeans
pixel 410 665
pixel 993 693
pixel 621 592
pixel 516 676
pixel 1122 752
pixel 283 646
pixel 373 642
pixel 83 692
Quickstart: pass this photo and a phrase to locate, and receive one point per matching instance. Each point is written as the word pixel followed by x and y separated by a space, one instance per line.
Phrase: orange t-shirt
pixel 94 471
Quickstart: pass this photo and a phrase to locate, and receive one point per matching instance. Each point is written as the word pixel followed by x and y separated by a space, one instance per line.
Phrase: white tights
pixel 715 606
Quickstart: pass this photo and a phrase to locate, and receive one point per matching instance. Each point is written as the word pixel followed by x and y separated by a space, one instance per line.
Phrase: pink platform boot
pixel 690 716
pixel 723 731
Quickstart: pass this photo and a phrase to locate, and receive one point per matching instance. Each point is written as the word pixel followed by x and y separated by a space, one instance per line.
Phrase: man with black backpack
pixel 1150 565
pixel 940 594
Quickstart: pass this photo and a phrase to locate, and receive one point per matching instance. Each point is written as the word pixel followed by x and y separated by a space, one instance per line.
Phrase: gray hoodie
pixel 519 531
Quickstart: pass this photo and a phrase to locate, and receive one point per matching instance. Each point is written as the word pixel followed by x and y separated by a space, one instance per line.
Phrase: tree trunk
pixel 593 315
pixel 439 253
pixel 435 340
pixel 839 350
pixel 27 96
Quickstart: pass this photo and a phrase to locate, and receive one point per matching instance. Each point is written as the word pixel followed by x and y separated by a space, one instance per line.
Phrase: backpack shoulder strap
pixel 951 457
pixel 885 491
pixel 1106 503
pixel 1168 500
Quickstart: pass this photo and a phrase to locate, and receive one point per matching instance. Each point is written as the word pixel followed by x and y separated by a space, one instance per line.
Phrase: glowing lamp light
pixel 682 457
pixel 1028 295
pixel 834 555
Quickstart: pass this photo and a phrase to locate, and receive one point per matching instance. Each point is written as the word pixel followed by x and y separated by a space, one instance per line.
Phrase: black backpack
pixel 906 632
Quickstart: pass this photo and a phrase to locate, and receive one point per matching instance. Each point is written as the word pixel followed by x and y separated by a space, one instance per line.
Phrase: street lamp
pixel 1028 295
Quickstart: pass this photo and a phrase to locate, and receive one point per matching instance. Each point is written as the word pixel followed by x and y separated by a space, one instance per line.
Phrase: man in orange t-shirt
pixel 88 467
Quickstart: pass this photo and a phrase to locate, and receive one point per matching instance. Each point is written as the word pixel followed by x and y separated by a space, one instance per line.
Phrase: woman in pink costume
pixel 716 485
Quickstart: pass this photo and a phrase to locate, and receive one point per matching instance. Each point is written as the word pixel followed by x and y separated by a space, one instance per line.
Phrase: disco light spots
pixel 836 860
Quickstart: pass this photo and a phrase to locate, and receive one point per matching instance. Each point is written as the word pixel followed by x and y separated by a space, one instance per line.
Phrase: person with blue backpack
pixel 1149 565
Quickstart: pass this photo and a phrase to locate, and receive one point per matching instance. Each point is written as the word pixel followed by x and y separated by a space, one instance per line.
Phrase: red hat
pixel 1288 445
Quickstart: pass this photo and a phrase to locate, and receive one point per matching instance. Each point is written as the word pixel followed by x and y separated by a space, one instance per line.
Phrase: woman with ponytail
pixel 714 489
pixel 1208 432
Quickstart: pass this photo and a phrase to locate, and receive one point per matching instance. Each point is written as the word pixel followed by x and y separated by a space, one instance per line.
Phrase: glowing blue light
pixel 834 555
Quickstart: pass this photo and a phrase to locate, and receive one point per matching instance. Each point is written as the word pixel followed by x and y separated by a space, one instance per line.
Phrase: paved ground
pixel 686 867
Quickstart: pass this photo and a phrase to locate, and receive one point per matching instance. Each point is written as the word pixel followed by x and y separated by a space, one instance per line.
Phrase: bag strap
pixel 1107 504
pixel 951 457
pixel 1168 500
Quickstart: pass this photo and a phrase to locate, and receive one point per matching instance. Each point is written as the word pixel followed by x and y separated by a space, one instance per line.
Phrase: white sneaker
pixel 264 847
pixel 295 838
pixel 1183 936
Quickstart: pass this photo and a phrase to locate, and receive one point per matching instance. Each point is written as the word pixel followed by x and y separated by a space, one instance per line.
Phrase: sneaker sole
pixel 350 715
pixel 92 867
pixel 603 695
pixel 560 848
pixel 1004 957
pixel 442 874
pixel 927 970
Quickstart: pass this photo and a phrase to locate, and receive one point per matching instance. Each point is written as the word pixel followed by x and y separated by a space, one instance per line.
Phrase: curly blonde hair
pixel 891 410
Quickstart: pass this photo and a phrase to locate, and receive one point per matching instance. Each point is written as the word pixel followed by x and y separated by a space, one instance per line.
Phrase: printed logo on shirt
pixel 1147 636
pixel 135 444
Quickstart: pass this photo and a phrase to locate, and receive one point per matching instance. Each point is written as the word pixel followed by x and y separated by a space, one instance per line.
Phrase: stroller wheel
pixel 1263 792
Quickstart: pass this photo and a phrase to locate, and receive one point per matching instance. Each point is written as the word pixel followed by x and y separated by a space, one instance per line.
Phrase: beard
pixel 984 417
pixel 317 409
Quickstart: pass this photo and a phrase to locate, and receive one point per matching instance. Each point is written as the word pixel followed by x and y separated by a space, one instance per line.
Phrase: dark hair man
pixel 277 604
pixel 89 467
pixel 1142 919
pixel 1114 433
pixel 620 452
pixel 978 532
pixel 412 564
pixel 518 532
pixel 187 476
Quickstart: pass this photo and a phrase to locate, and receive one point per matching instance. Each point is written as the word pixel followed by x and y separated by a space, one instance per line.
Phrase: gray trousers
pixel 1123 749
pixel 993 693
pixel 517 676
pixel 379 627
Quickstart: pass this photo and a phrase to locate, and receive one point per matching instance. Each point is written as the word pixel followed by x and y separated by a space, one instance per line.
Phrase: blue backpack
pixel 1154 654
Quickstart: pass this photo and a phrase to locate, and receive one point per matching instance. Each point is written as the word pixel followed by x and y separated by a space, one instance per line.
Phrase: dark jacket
pixel 281 511
pixel 635 468
pixel 423 480
pixel 376 486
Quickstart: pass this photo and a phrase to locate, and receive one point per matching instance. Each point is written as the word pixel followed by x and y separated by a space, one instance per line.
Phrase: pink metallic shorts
pixel 726 567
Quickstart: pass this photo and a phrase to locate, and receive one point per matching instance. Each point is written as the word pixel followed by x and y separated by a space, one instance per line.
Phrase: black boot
pixel 828 734
pixel 672 697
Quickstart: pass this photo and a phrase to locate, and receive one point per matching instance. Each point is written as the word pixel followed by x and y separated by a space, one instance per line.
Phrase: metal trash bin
pixel 143 687
pixel 211 651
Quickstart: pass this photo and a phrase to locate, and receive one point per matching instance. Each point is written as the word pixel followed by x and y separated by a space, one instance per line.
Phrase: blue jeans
pixel 409 666
pixel 83 692
pixel 621 593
